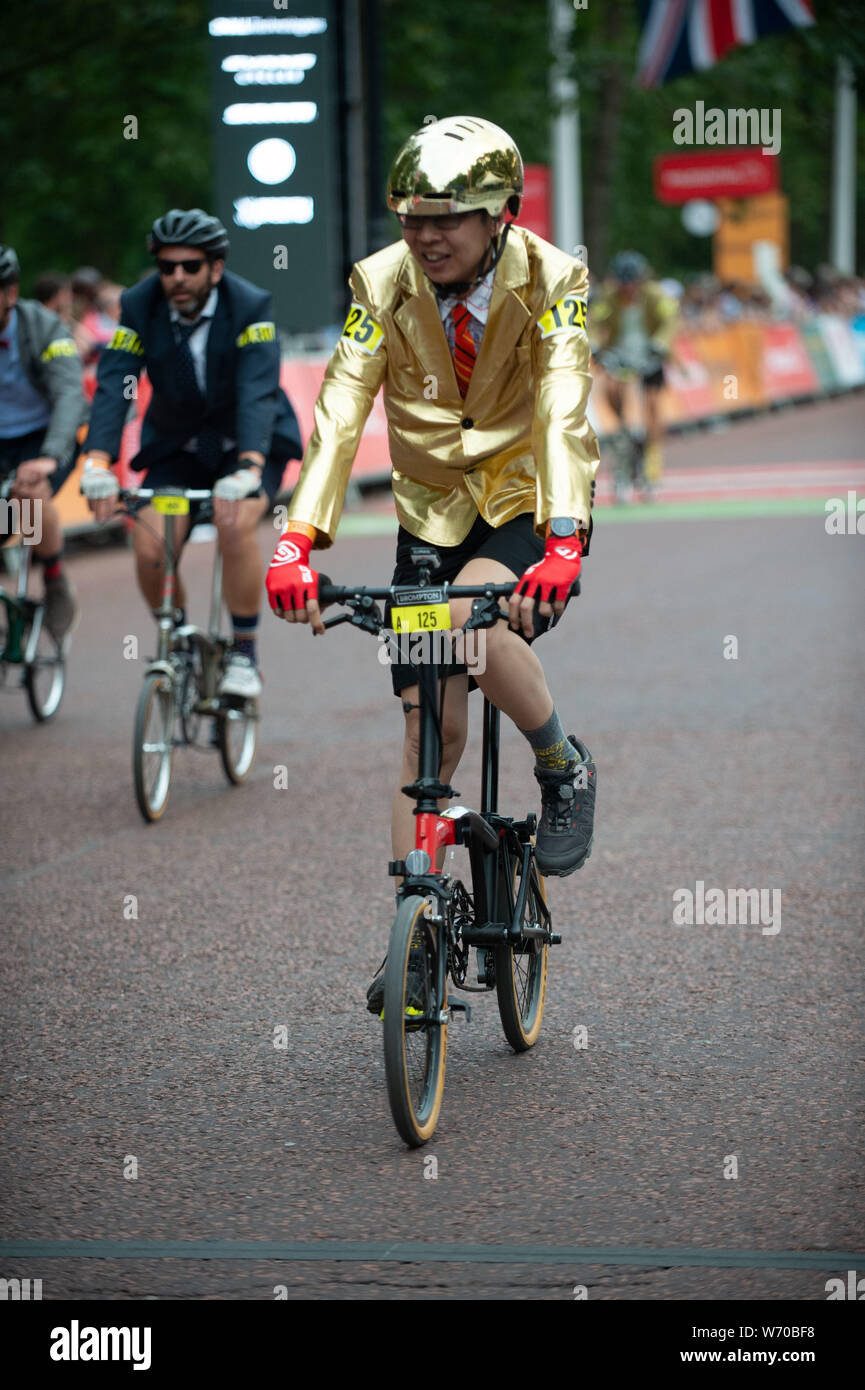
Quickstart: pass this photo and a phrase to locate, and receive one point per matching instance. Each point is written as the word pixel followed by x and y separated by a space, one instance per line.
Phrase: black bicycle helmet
pixel 191 228
pixel 628 267
pixel 10 270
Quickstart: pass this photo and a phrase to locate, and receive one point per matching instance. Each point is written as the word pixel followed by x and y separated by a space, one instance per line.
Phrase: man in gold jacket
pixel 476 330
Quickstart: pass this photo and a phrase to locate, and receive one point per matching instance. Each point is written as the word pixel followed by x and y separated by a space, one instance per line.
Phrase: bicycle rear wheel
pixel 237 733
pixel 521 969
pixel 45 676
pixel 415 1023
pixel 153 744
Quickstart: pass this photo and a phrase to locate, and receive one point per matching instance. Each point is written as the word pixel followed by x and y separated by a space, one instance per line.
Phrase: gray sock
pixel 551 744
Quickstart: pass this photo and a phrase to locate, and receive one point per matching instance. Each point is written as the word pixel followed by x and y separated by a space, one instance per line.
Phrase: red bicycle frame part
pixel 432 834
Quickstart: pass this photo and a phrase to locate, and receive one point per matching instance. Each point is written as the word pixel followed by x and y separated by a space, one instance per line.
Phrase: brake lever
pixel 485 613
pixel 369 620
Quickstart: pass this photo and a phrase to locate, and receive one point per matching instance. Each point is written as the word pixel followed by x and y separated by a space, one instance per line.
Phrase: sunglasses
pixel 167 268
pixel 411 223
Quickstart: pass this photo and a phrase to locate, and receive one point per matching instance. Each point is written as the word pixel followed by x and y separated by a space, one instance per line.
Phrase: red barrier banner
pixel 535 212
pixel 787 369
pixel 301 380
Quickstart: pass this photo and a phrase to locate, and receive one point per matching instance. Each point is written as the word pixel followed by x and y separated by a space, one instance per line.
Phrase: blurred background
pixel 283 119
pixel 75 191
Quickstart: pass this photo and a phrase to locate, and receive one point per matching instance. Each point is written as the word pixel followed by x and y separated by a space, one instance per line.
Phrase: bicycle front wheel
pixel 237 732
pixel 45 676
pixel 153 744
pixel 521 969
pixel 415 1023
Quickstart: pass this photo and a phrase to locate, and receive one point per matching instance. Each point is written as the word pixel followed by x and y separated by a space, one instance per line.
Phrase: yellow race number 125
pixel 565 316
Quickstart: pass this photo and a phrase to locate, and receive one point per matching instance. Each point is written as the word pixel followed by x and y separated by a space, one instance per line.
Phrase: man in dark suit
pixel 217 419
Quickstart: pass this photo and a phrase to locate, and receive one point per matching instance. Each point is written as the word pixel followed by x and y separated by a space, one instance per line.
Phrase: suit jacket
pixel 50 359
pixel 519 442
pixel 243 398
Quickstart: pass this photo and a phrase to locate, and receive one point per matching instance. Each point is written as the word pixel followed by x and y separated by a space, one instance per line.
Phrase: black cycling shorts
pixel 515 545
pixel 654 381
pixel 20 450
pixel 29 446
pixel 185 469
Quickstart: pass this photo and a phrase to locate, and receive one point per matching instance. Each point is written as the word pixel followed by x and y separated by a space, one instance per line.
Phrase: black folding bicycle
pixel 502 913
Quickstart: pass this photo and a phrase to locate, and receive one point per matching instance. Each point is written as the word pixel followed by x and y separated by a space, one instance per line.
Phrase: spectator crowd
pixel 707 303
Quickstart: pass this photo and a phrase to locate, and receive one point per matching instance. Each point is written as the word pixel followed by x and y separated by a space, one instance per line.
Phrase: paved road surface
pixel 606 1166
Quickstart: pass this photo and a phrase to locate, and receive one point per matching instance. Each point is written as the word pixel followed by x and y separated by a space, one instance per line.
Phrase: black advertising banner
pixel 276 146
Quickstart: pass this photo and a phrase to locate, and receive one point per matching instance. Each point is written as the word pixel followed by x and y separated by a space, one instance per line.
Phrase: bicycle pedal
pixel 458 1007
pixel 555 938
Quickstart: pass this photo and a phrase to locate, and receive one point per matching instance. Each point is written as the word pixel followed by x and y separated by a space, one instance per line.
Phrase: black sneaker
pixel 566 827
pixel 415 990
pixel 61 610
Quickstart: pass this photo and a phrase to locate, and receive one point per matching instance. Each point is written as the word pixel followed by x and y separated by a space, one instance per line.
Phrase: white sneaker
pixel 241 678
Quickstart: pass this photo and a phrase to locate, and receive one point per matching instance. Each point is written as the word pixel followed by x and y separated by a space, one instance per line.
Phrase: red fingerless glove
pixel 290 581
pixel 551 578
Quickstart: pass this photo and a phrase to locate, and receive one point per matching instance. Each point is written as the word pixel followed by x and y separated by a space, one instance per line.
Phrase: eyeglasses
pixel 167 268
pixel 411 223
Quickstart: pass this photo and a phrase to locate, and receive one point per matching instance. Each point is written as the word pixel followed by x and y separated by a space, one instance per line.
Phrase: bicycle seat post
pixel 23 569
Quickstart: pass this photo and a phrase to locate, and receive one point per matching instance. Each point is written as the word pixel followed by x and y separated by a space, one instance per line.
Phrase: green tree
pixel 484 59
pixel 75 191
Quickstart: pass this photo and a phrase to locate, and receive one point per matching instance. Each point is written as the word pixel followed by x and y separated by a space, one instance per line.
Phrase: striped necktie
pixel 465 351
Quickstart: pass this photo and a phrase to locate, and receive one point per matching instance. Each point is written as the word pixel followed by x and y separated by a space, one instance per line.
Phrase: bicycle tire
pixel 415 1053
pixel 155 703
pixel 44 695
pixel 190 695
pixel 521 971
pixel 237 735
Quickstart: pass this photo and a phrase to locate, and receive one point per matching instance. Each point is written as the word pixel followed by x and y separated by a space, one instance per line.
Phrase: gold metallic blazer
pixel 519 442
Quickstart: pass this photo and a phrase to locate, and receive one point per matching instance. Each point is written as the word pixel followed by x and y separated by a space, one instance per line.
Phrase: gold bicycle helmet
pixel 459 164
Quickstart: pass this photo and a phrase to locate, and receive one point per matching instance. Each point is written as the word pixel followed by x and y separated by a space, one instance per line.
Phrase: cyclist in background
pixel 476 330
pixel 41 409
pixel 217 419
pixel 633 325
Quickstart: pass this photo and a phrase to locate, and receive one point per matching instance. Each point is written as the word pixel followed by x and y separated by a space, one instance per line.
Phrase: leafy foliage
pixel 76 191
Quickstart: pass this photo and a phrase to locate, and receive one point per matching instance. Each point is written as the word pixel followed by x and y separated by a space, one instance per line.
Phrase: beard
pixel 197 299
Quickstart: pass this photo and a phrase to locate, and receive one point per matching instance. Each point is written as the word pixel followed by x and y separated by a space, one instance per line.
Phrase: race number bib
pixel 566 316
pixel 362 329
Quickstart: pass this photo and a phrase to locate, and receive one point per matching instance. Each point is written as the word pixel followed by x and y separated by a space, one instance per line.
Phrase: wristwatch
pixel 562 526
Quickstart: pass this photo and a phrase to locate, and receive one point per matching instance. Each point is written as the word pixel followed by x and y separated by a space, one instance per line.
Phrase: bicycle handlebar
pixel 193 494
pixel 334 593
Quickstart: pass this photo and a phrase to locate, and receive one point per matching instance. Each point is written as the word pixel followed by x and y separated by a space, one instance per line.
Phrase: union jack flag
pixel 682 36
